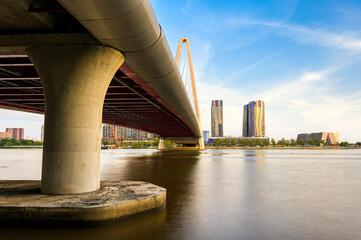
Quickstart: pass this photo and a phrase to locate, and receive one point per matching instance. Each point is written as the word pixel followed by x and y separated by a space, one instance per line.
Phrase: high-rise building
pixel 42 133
pixel 217 118
pixel 245 121
pixel 205 136
pixel 254 119
pixel 16 133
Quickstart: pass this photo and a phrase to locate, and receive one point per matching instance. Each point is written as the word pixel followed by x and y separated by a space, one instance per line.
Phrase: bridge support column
pixel 75 79
pixel 161 145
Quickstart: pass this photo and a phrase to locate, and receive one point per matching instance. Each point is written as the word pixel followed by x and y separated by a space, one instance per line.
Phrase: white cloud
pixel 347 40
pixel 304 103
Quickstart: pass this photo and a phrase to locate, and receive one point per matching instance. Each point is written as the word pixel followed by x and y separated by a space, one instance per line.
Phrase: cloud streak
pixel 304 103
pixel 349 41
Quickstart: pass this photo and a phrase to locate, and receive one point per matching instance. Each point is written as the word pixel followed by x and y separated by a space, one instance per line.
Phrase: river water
pixel 221 194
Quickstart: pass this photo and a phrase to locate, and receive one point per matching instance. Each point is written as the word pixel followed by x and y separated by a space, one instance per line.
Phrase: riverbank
pixel 279 147
pixel 22 147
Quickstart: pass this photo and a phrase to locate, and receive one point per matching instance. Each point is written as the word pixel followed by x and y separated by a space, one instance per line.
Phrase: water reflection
pixel 173 170
pixel 226 194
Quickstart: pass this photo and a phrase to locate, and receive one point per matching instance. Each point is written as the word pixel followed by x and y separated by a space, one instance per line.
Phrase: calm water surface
pixel 221 194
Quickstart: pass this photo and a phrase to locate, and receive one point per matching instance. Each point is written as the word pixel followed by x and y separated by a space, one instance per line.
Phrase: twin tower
pixel 253 119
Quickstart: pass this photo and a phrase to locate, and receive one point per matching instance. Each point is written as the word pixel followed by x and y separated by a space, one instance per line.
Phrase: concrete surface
pixel 161 145
pixel 16 44
pixel 75 79
pixel 22 201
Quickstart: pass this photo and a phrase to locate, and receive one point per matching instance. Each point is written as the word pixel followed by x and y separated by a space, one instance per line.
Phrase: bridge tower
pixel 194 88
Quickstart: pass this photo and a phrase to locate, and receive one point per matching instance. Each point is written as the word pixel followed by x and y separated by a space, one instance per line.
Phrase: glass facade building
pixel 254 119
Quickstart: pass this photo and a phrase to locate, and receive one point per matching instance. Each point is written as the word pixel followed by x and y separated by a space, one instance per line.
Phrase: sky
pixel 302 57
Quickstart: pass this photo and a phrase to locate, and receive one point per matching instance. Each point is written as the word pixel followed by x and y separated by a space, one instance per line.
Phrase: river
pixel 221 194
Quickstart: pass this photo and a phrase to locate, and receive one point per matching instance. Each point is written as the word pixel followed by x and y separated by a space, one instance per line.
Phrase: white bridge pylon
pixel 193 86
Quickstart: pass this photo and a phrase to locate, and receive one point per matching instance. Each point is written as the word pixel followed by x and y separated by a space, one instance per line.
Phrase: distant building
pixel 42 133
pixel 4 135
pixel 217 118
pixel 16 133
pixel 205 136
pixel 327 137
pixel 254 119
pixel 124 133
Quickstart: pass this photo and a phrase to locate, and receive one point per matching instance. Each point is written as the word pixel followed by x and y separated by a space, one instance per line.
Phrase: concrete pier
pixel 75 79
pixel 161 145
pixel 21 201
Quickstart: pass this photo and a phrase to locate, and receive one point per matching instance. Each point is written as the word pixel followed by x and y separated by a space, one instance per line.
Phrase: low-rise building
pixel 13 133
pixel 4 135
pixel 327 137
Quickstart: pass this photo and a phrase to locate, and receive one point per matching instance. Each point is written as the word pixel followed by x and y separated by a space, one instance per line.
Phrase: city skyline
pixel 300 57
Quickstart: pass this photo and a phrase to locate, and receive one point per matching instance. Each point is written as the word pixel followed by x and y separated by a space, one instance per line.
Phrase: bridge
pixel 84 63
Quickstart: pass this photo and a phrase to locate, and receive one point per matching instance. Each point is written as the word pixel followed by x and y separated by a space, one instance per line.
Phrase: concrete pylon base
pixel 21 201
pixel 161 145
pixel 75 79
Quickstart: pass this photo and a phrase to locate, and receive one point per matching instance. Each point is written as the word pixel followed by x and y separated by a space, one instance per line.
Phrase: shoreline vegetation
pixel 19 144
pixel 232 143
pixel 225 143
pixel 284 147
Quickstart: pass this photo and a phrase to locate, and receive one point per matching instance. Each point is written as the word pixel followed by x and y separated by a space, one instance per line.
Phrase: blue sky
pixel 301 57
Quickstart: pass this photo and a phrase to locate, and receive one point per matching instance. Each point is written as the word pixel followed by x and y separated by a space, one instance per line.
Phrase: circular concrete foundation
pixel 22 201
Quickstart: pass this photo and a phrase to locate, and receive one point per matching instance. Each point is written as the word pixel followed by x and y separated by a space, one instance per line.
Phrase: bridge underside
pixel 77 78
pixel 129 101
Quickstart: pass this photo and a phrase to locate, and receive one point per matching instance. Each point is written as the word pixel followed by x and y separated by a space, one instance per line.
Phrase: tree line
pixel 232 142
pixel 23 142
pixel 138 144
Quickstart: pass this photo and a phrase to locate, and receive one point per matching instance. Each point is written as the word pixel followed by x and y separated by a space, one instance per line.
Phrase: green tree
pixel 266 142
pixel 234 142
pixel 169 143
pixel 292 142
pixel 242 142
pixel 22 142
pixel 300 142
pixel 137 145
pixel 259 142
pixel 217 142
pixel 250 143
pixel 309 142
pixel 225 141
pixel 281 142
pixel 344 144
pixel 317 142
pixel 155 142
